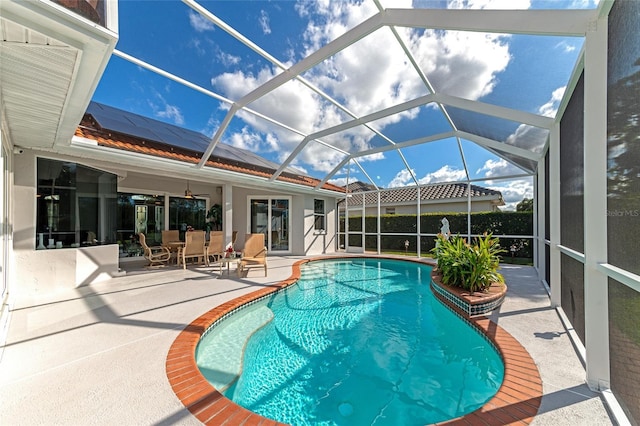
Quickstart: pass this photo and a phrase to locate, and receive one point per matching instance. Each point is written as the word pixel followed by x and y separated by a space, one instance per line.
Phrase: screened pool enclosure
pixel 538 102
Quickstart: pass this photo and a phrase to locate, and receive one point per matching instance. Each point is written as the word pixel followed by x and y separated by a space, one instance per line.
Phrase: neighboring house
pixel 440 198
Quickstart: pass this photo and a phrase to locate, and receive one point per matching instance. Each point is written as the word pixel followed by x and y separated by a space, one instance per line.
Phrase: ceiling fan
pixel 190 195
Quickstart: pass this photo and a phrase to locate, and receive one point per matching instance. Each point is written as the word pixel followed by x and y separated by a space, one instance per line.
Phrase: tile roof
pixel 360 187
pixel 91 129
pixel 428 193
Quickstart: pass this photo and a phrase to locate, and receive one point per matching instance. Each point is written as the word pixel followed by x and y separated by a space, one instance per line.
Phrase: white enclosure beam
pixel 540 22
pixel 553 186
pixel 501 146
pixel 596 300
pixel 494 111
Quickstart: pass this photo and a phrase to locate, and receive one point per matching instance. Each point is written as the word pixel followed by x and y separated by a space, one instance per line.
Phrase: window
pixel 390 210
pixel 146 213
pixel 318 215
pixel 76 205
pixel 187 212
pixel 270 216
pixel 139 213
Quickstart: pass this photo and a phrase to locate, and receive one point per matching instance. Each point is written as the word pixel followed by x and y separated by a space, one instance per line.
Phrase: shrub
pixel 470 266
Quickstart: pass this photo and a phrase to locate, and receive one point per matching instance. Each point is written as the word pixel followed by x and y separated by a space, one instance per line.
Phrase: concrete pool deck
pixel 96 354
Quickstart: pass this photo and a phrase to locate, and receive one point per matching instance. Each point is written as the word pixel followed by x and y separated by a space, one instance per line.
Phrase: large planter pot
pixel 466 303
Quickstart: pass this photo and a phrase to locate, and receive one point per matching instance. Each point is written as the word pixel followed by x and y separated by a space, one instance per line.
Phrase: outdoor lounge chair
pixel 215 249
pixel 156 255
pixel 254 254
pixel 193 247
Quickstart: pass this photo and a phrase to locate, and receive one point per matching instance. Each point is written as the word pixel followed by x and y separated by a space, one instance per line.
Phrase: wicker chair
pixel 156 255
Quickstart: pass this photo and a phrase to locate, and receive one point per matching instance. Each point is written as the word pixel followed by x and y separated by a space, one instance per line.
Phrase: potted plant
pixel 214 218
pixel 472 267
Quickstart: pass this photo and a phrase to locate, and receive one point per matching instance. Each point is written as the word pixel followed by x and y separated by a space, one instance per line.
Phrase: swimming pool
pixel 359 341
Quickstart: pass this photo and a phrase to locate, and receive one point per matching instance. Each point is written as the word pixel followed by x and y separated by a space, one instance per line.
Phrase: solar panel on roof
pixel 149 129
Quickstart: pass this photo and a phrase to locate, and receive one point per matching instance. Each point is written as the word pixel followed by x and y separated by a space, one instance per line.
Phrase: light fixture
pixel 187 192
pixel 190 195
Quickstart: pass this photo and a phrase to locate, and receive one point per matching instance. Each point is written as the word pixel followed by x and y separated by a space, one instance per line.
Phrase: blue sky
pixel 527 73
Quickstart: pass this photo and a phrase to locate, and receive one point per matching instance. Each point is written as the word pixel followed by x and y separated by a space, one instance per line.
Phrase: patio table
pixel 175 246
pixel 227 260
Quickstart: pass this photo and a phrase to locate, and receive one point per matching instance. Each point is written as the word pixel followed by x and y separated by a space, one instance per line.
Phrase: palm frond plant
pixel 473 267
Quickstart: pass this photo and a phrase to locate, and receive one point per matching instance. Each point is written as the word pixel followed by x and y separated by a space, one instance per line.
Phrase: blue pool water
pixel 354 342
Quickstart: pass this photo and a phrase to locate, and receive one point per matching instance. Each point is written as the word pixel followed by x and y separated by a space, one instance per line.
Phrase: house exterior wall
pixel 42 272
pixel 316 242
pixel 303 239
pixel 152 184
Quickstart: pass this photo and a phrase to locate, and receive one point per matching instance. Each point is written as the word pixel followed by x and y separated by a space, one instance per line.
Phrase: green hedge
pixel 497 223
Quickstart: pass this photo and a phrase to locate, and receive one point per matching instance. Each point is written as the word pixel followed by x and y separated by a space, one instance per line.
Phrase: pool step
pixel 219 354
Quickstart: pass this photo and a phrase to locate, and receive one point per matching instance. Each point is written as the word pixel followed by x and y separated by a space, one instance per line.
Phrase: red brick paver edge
pixel 516 402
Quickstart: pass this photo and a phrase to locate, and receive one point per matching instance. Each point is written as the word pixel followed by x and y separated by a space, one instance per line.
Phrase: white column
pixel 554 214
pixel 227 211
pixel 539 207
pixel 378 222
pixel 167 199
pixel 418 224
pixel 595 206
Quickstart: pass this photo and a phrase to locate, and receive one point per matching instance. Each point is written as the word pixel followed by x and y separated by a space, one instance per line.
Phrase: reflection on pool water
pixel 356 341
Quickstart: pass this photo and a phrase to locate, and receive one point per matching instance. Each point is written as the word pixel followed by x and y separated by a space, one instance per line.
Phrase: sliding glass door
pixel 270 216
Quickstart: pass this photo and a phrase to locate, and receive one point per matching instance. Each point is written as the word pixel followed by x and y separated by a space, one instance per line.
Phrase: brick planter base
pixel 468 304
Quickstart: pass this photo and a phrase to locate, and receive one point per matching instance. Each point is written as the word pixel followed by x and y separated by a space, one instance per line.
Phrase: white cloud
pixel 534 138
pixel 513 191
pixel 246 139
pixel 488 4
pixel 365 77
pixel 173 113
pixel 264 22
pixel 199 23
pixel 228 59
pixel 341 181
pixel 463 64
pixel 444 174
pixel 565 46
pixel 497 168
pixel 211 126
pixel 163 109
pixel 402 178
pixel 196 44
pixel 550 108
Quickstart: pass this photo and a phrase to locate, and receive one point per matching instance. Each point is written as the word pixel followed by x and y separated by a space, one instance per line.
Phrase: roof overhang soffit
pixel 89 149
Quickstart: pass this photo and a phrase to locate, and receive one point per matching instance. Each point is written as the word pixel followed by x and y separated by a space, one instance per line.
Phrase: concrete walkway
pixel 96 355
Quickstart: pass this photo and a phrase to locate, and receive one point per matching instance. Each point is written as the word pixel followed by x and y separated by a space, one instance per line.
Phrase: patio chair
pixel 215 249
pixel 171 240
pixel 254 254
pixel 193 247
pixel 157 256
pixel 234 236
pixel 170 236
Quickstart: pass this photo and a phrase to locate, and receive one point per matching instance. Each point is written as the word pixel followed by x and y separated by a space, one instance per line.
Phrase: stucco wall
pixel 319 242
pixel 303 238
pixel 41 272
pixel 52 270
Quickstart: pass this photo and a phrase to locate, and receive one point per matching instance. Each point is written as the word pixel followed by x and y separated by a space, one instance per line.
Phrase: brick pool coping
pixel 516 402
